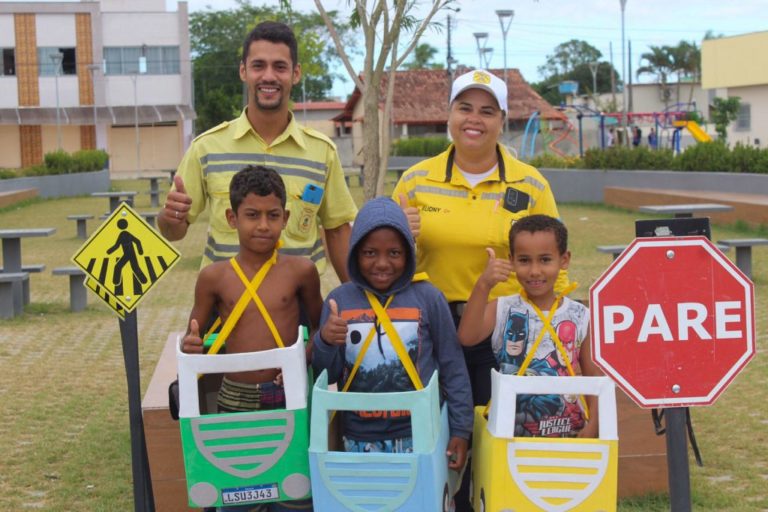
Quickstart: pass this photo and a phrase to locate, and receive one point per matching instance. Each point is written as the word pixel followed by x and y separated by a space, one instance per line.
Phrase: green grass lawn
pixel 64 437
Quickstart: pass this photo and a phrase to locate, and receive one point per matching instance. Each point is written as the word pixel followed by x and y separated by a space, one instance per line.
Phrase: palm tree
pixel 658 63
pixel 686 63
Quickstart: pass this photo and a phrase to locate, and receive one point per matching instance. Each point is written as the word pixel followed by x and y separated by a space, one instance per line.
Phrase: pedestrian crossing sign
pixel 124 258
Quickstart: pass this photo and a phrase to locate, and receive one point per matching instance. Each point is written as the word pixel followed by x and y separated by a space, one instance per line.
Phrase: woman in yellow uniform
pixel 464 200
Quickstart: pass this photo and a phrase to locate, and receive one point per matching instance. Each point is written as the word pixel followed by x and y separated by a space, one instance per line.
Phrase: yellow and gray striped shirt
pixel 300 155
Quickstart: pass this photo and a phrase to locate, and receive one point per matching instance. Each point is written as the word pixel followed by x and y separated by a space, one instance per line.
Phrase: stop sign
pixel 672 321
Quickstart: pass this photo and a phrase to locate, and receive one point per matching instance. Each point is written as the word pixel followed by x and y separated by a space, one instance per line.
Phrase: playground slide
pixel 693 127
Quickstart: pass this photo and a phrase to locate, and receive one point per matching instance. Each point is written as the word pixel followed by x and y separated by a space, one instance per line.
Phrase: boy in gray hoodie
pixel 381 268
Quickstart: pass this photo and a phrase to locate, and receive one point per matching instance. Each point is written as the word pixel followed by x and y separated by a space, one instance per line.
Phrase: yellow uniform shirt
pixel 459 221
pixel 300 155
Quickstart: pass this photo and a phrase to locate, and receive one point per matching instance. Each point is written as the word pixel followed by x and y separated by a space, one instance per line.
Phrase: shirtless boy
pixel 257 196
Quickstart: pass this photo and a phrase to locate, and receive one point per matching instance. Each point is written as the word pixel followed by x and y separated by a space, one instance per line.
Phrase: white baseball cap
pixel 481 79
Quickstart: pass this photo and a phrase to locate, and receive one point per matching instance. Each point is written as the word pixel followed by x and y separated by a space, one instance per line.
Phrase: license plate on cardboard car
pixel 250 494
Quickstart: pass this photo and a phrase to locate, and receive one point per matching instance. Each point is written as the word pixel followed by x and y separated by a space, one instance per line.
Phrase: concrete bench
pixel 29 269
pixel 11 304
pixel 150 217
pixel 744 251
pixel 358 173
pixel 615 250
pixel 81 220
pixel 78 296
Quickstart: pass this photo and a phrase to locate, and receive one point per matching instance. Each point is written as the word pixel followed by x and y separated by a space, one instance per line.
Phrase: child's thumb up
pixel 194 329
pixel 491 253
pixel 334 307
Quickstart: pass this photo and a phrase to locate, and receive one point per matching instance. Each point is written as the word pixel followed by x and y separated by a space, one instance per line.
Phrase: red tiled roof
pixel 421 97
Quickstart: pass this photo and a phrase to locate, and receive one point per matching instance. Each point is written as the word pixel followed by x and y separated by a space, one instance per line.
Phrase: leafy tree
pixel 216 39
pixel 659 62
pixel 568 56
pixel 723 112
pixel 382 24
pixel 422 55
pixel 570 61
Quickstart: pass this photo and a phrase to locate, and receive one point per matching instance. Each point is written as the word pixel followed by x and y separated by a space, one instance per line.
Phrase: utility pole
pixel 449 60
pixel 629 75
pixel 613 75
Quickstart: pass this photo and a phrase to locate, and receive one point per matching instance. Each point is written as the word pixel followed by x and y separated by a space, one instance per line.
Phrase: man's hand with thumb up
pixel 334 331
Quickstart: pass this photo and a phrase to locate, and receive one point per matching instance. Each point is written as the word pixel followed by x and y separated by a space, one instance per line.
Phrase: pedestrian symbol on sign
pixel 124 258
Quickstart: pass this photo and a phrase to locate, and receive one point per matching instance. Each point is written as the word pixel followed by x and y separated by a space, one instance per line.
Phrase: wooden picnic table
pixel 685 210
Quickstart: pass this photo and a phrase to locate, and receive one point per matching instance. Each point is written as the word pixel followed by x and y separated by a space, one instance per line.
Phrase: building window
pixel 46 65
pixel 744 122
pixel 124 60
pixel 9 62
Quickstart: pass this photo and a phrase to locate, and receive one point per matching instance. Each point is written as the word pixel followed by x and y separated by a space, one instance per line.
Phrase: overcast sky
pixel 539 26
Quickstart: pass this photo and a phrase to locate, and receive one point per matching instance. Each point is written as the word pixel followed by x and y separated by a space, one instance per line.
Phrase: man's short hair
pixel 255 179
pixel 274 32
pixel 536 223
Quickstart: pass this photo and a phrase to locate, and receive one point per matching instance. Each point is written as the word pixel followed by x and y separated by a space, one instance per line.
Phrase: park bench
pixel 150 217
pixel 615 250
pixel 744 251
pixel 81 220
pixel 78 298
pixel 354 171
pixel 29 269
pixel 154 189
pixel 11 306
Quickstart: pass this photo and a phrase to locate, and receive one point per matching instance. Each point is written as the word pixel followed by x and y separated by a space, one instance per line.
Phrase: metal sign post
pixel 143 498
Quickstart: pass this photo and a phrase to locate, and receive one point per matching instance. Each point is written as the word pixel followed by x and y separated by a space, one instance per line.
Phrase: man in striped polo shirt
pixel 266 133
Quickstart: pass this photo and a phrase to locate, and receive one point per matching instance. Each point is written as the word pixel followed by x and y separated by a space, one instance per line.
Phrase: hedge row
pixel 704 157
pixel 61 162
pixel 419 146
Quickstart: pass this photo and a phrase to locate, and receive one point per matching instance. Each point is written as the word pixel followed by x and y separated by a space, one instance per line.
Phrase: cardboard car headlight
pixel 245 457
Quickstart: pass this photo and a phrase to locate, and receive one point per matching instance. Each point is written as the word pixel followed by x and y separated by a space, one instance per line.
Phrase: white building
pixel 123 83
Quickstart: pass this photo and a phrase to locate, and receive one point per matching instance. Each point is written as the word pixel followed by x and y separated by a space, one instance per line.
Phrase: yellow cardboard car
pixel 543 473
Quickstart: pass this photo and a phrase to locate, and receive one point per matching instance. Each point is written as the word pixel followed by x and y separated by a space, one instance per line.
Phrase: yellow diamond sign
pixel 124 258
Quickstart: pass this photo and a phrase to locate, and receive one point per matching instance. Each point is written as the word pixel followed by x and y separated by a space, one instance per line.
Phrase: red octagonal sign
pixel 672 321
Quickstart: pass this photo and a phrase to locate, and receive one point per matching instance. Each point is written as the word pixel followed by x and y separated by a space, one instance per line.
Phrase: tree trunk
pixel 371 142
pixel 386 137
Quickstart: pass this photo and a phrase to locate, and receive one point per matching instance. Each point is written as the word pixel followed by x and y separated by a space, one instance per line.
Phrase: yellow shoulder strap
pixel 394 338
pixel 242 303
pixel 363 350
pixel 548 328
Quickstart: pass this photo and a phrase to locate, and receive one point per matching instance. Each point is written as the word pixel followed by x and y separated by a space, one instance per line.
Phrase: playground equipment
pixel 373 482
pixel 543 473
pixel 692 126
pixel 534 126
pixel 245 457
